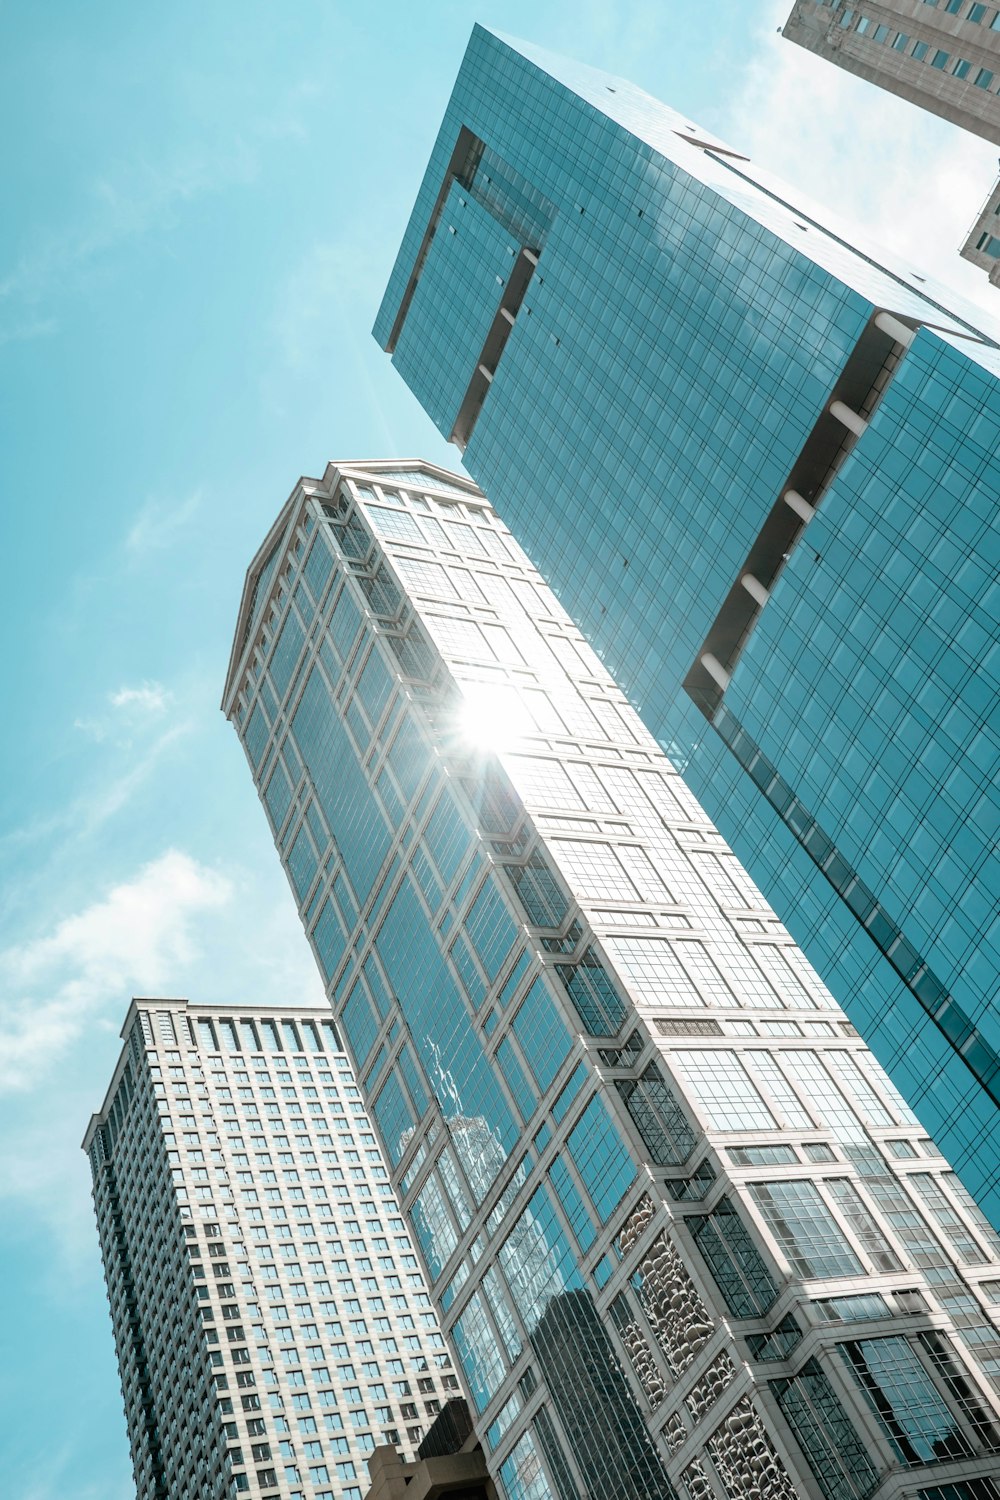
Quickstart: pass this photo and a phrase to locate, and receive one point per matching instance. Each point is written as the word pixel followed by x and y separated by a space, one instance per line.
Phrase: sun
pixel 492 717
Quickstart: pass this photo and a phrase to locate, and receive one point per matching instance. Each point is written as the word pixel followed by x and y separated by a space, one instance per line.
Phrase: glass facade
pixel 662 1192
pixel 757 461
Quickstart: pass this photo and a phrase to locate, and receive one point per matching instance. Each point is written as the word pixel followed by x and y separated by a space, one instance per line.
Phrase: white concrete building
pixel 271 1321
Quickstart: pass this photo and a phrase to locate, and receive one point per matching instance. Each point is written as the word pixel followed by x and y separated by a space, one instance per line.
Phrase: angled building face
pixel 685 1238
pixel 271 1322
pixel 982 245
pixel 759 467
pixel 941 54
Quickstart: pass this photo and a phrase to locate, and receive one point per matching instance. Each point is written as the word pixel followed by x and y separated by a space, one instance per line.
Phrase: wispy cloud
pixel 132 708
pixel 23 333
pixel 139 937
pixel 147 698
pixel 160 523
pixel 912 182
pixel 140 193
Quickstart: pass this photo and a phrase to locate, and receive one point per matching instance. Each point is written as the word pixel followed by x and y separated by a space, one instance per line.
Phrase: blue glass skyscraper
pixel 684 1238
pixel 759 464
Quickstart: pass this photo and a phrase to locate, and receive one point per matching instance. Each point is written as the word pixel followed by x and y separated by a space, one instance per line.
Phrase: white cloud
pixel 911 182
pixel 147 698
pixel 137 938
pixel 159 523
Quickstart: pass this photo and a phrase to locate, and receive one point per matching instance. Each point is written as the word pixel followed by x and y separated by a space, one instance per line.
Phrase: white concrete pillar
pixel 802 508
pixel 755 589
pixel 849 418
pixel 715 670
pixel 896 330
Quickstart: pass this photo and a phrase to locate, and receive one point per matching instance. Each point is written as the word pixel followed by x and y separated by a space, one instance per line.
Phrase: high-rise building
pixel 759 466
pixel 941 54
pixel 271 1321
pixel 685 1237
pixel 982 244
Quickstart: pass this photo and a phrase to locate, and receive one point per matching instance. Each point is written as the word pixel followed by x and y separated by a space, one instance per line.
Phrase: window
pixel 731 1255
pixel 939 59
pixel 984 78
pixel 825 1433
pixel 919 1425
pixel 920 50
pixel 961 68
pixel 806 1230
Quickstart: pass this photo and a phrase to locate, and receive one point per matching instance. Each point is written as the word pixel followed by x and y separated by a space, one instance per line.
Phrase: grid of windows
pixel 522 1099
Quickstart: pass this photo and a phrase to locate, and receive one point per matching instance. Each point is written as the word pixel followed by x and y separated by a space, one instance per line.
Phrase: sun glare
pixel 492 716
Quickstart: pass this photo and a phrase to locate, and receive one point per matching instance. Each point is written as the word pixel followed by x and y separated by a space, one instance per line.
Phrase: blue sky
pixel 202 204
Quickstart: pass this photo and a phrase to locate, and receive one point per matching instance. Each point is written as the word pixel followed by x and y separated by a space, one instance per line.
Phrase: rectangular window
pixel 939 59
pixel 825 1434
pixel 740 1272
pixel 723 1091
pixel 905 1401
pixel 806 1230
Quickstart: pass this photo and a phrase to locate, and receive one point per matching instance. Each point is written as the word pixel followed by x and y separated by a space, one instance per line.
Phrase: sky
pixel 202 204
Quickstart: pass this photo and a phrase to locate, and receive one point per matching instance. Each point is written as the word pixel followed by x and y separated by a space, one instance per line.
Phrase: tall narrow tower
pixel 684 1236
pixel 271 1322
pixel 758 461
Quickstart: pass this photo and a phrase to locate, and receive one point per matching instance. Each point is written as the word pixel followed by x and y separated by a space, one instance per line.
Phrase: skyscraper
pixel 941 54
pixel 759 466
pixel 270 1318
pixel 684 1236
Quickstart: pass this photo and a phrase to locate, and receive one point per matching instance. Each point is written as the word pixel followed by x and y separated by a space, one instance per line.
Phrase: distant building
pixel 270 1318
pixel 983 244
pixel 449 1462
pixel 941 54
pixel 684 1236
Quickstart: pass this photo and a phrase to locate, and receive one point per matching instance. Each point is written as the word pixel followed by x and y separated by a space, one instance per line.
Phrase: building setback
pixel 271 1322
pixel 685 1238
pixel 758 462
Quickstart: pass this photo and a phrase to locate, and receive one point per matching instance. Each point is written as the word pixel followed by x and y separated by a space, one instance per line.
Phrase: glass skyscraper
pixel 759 464
pixel 270 1318
pixel 685 1238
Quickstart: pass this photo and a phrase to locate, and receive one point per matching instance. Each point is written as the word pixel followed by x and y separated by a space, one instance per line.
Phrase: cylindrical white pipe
pixel 486 374
pixel 849 418
pixel 715 670
pixel 756 590
pixel 896 330
pixel 802 508
pixel 505 312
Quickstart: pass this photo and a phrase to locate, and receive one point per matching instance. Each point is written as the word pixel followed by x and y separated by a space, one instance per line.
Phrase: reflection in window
pixel 806 1230
pixel 905 1401
pixel 747 1286
pixel 825 1434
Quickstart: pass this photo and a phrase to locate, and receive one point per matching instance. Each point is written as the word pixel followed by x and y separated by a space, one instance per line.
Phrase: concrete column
pixel 849 418
pixel 802 508
pixel 755 589
pixel 896 330
pixel 715 670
